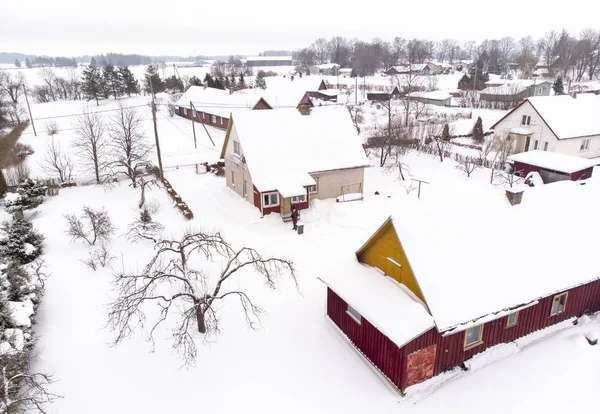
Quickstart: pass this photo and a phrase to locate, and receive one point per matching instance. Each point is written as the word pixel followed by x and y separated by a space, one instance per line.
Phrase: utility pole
pixel 160 167
pixel 193 126
pixel 204 126
pixel 29 108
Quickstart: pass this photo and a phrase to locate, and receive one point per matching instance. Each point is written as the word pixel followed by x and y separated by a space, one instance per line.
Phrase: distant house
pixel 263 61
pixel 554 123
pixel 462 66
pixel 516 91
pixel 322 92
pixel 429 296
pixel 213 106
pixel 382 95
pixel 345 72
pixel 439 98
pixel 552 166
pixel 415 68
pixel 325 69
pixel 288 157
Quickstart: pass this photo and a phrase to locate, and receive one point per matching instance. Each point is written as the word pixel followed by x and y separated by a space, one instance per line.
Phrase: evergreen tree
pixel 152 82
pixel 92 84
pixel 478 130
pixel 446 133
pixel 558 86
pixel 17 63
pixel 93 62
pixel 22 243
pixel 29 195
pixel 231 82
pixel 195 81
pixel 242 83
pixel 145 216
pixel 260 82
pixel 173 84
pixel 3 185
pixel 112 82
pixel 464 84
pixel 353 73
pixel 27 62
pixel 130 83
pixel 209 81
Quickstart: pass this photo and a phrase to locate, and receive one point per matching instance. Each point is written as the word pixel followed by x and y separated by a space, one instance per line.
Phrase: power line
pixel 185 133
pixel 71 115
pixel 72 129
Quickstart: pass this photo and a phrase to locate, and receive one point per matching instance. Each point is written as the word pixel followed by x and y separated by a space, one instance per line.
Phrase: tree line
pixel 575 56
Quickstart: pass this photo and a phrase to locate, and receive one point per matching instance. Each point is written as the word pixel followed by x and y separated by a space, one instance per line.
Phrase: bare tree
pixel 91 143
pixel 130 148
pixel 407 83
pixel 172 282
pixel 93 225
pixel 503 177
pixel 591 50
pixel 22 390
pixel 12 86
pixel 321 48
pixel 467 165
pixel 469 49
pixel 51 128
pixel 48 76
pixel 56 162
pixel 433 131
pixel 144 228
pixel 507 47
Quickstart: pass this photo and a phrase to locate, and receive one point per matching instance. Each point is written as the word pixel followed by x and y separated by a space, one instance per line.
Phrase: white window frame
pixel 222 121
pixel 203 115
pixel 269 194
pixel 185 111
pixel 512 319
pixel 237 150
pixel 194 113
pixel 585 145
pixel 526 120
pixel 557 310
pixel 299 199
pixel 545 146
pixel 353 313
pixel 316 189
pixel 469 345
pixel 213 119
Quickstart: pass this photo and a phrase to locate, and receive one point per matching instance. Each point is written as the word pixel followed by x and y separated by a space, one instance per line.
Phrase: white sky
pixel 76 27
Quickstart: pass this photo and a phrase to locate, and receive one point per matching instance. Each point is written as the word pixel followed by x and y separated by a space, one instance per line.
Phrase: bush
pixel 20 242
pixel 51 128
pixel 94 225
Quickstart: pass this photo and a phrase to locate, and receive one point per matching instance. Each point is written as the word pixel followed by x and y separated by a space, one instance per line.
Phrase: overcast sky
pixel 75 27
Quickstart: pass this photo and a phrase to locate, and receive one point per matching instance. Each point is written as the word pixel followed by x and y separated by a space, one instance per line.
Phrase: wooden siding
pixel 523 169
pixel 384 245
pixel 205 118
pixel 375 346
pixel 450 352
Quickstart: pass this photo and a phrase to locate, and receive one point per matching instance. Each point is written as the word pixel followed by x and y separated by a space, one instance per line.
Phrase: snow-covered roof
pixel 521 130
pixel 290 99
pixel 281 147
pixel 326 66
pixel 531 252
pixel 554 161
pixel 433 95
pixel 267 58
pixel 216 101
pixel 385 303
pixel 568 117
pixel 506 89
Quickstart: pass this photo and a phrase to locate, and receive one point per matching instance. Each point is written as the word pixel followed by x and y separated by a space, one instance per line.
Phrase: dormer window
pixel 237 150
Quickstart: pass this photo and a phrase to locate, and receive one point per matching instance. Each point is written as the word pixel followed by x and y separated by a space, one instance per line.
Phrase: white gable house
pixel 559 124
pixel 279 159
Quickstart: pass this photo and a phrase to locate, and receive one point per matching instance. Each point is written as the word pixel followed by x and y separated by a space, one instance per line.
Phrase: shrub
pixel 93 225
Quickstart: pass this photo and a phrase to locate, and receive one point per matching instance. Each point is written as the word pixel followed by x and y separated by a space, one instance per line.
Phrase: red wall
pixel 207 118
pixel 450 350
pixel 583 174
pixel 526 168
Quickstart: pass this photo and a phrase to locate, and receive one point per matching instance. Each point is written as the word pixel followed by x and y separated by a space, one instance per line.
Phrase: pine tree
pixel 195 81
pixel 208 80
pixel 29 195
pixel 478 130
pixel 173 84
pixel 22 243
pixel 152 82
pixel 242 83
pixel 231 82
pixel 446 133
pixel 28 63
pixel 3 185
pixel 464 84
pixel 17 63
pixel 130 84
pixel 113 83
pixel 260 82
pixel 92 84
pixel 558 86
pixel 93 62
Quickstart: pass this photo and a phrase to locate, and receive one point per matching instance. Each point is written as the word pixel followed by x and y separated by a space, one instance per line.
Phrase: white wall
pixel 572 147
pixel 330 183
pixel 236 172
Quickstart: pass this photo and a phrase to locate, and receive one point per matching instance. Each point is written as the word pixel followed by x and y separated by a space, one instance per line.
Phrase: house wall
pixel 236 172
pixel 573 147
pixel 540 130
pixel 385 244
pixel 204 118
pixel 525 169
pixel 331 183
pixel 450 349
pixel 540 89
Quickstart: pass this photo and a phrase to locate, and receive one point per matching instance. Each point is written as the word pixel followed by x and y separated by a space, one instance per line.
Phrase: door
pixel 420 366
pixel 286 209
pixel 527 140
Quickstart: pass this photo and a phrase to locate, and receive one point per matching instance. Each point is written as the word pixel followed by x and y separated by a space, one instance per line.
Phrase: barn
pixel 552 166
pixel 426 294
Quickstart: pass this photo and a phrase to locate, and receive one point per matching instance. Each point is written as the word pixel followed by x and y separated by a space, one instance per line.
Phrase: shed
pixel 552 166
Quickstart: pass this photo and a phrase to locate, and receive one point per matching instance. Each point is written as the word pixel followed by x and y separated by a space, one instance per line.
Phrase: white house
pixel 288 157
pixel 554 123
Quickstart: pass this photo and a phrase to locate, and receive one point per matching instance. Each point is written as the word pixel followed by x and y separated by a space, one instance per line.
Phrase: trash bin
pixel 300 228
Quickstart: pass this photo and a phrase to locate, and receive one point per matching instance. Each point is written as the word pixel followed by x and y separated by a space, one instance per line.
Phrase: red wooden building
pixel 441 295
pixel 552 166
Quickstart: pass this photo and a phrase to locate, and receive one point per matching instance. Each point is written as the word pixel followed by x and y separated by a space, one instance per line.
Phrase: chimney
pixel 514 196
pixel 304 109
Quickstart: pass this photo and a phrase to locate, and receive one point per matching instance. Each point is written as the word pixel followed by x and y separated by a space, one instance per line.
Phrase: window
pixel 354 314
pixel 512 319
pixel 270 199
pixel 545 146
pixel 559 303
pixel 313 189
pixel 585 145
pixel 299 199
pixel 526 120
pixel 473 336
pixel 194 113
pixel 213 119
pixel 222 122
pixel 236 148
pixel 184 111
pixel 203 115
pixel 535 144
pixel 232 179
pixel 245 189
